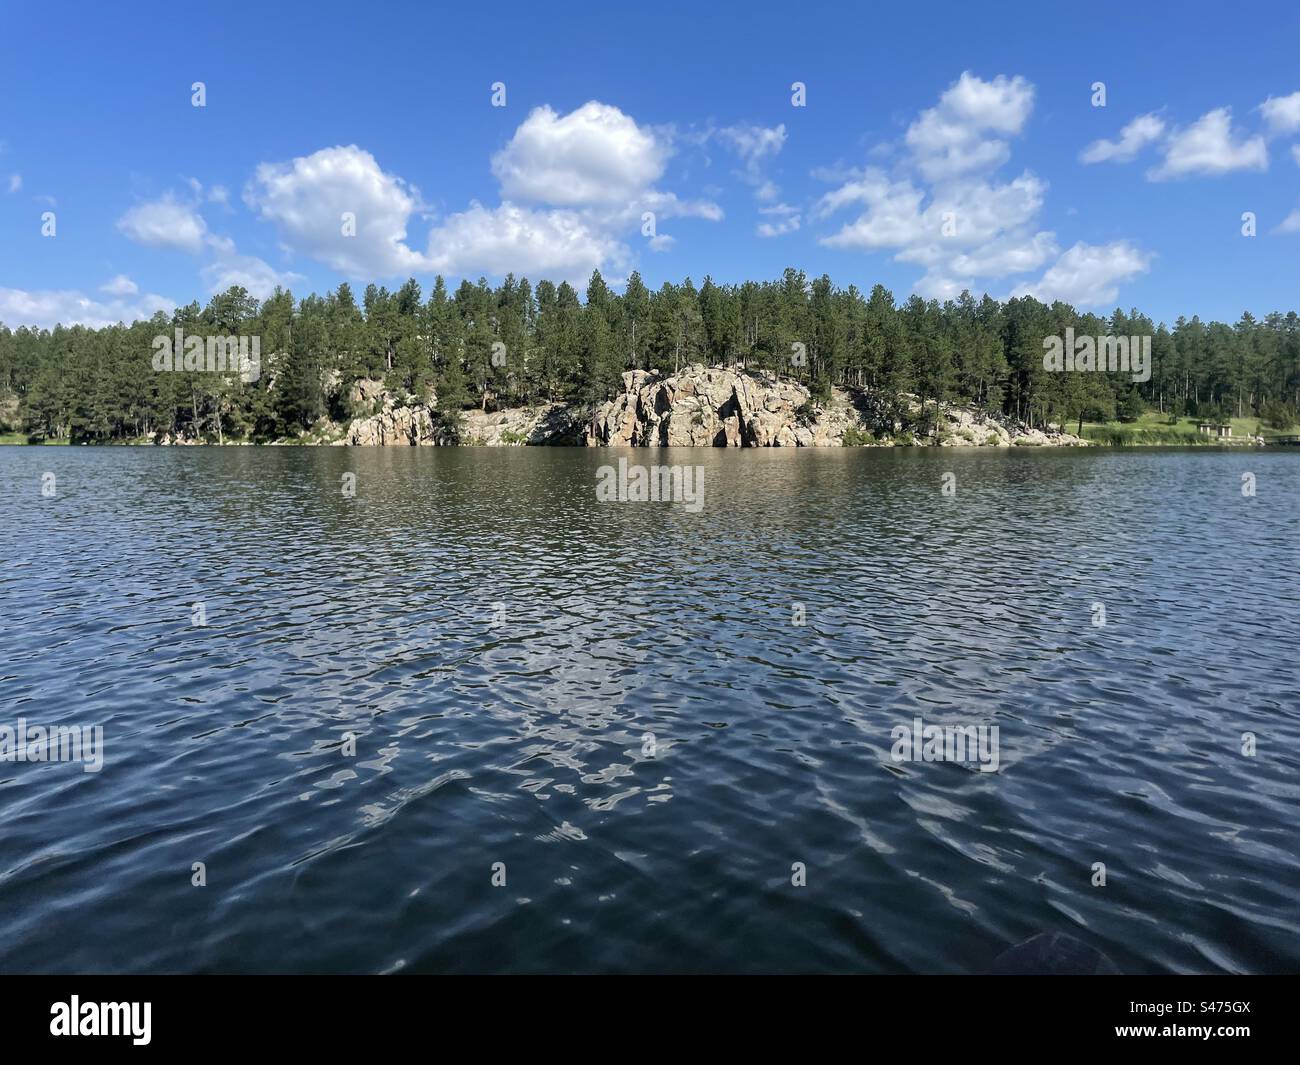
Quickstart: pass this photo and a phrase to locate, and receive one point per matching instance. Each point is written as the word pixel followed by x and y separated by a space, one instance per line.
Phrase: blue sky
pixel 941 146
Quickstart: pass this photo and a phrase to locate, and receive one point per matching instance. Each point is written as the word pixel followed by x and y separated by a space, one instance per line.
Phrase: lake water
pixel 614 700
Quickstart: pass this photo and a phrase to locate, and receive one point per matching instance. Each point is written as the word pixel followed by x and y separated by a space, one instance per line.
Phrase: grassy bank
pixel 23 438
pixel 1154 430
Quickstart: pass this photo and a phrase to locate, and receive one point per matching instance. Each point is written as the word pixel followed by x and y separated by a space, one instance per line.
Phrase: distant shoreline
pixel 698 406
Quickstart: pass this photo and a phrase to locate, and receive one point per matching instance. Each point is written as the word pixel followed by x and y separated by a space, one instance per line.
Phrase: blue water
pixel 613 701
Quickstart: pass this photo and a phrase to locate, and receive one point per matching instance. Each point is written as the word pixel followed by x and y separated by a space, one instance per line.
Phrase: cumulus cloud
pixel 1208 146
pixel 1142 131
pixel 170 223
pixel 1088 275
pixel 1008 254
pixel 959 228
pixel 256 276
pixel 46 308
pixel 311 200
pixel 1282 113
pixel 165 223
pixel 594 155
pixel 559 244
pixel 572 186
pixel 1014 252
pixel 964 132
pixel 942 208
pixel 871 187
pixel 892 218
pixel 971 214
pixel 663 204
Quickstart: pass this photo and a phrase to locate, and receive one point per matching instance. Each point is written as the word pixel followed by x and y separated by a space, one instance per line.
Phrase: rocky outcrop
pixel 955 426
pixel 396 422
pixel 553 424
pixel 413 422
pixel 719 407
pixel 697 407
pixel 705 407
pixel 394 427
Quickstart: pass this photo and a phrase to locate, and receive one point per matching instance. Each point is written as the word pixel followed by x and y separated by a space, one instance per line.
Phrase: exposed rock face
pixel 719 407
pixel 551 424
pixel 702 407
pixel 698 407
pixel 395 426
pixel 367 393
pixel 415 423
pixel 966 427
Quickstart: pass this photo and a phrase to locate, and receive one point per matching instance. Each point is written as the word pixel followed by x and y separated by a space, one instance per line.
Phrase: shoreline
pixel 697 406
pixel 1090 445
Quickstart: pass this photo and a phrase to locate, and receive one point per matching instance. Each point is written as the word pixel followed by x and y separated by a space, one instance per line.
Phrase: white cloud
pixel 857 186
pixel 559 244
pixel 935 287
pixel 121 285
pixel 1282 113
pixel 571 186
pixel 216 194
pixel 168 223
pixel 1207 147
pixel 980 211
pixel 1009 254
pixel 952 138
pixel 258 277
pixel 48 308
pixel 943 210
pixel 1132 139
pixel 786 219
pixel 596 155
pixel 306 200
pixel 15 182
pixel 960 218
pixel 663 204
pixel 165 223
pixel 786 225
pixel 755 145
pixel 1088 275
pixel 1290 224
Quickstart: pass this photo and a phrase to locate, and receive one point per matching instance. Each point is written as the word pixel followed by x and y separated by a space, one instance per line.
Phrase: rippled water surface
pixel 500 644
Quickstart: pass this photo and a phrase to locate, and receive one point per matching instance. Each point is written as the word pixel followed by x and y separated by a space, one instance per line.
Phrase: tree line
pixel 516 344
